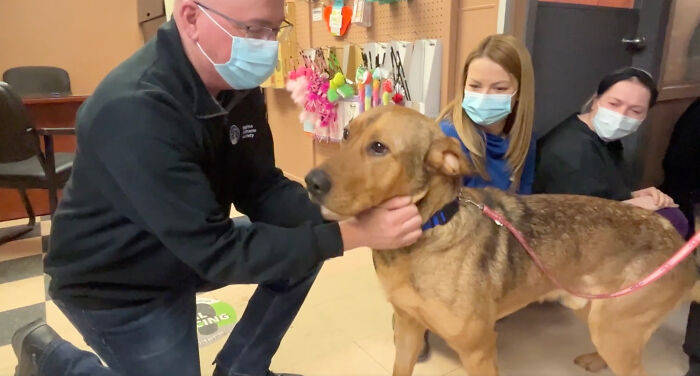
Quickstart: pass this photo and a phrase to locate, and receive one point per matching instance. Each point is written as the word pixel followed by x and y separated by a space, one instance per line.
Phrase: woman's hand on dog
pixel 660 199
pixel 394 224
pixel 645 202
pixel 649 203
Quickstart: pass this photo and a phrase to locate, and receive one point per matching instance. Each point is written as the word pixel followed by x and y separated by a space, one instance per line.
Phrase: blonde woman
pixel 493 117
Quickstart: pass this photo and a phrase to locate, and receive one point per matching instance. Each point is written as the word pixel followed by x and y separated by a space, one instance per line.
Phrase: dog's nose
pixel 318 183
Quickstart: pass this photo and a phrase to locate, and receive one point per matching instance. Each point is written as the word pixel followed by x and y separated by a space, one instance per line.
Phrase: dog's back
pixel 590 245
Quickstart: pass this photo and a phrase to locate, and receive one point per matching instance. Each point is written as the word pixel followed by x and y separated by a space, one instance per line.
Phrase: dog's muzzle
pixel 318 183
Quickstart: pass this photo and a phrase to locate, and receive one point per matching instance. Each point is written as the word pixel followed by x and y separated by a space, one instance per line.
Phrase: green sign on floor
pixel 215 319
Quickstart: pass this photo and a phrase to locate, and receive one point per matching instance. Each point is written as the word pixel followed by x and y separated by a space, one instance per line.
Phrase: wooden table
pixel 50 112
pixel 56 112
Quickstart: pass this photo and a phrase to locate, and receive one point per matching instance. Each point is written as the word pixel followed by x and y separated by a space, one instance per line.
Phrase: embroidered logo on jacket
pixel 248 131
pixel 234 134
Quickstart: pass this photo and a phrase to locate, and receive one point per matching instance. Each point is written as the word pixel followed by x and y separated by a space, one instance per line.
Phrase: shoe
pixel 29 343
pixel 219 372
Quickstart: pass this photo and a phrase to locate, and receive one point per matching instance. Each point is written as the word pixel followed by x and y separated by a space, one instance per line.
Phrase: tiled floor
pixel 344 328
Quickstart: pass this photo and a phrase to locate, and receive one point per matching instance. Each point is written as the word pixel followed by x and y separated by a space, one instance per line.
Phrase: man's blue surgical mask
pixel 252 61
pixel 486 109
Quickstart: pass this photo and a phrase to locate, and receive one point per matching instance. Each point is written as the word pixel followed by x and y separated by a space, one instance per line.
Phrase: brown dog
pixel 461 277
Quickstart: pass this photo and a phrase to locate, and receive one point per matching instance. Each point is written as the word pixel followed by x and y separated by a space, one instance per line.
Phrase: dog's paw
pixel 591 362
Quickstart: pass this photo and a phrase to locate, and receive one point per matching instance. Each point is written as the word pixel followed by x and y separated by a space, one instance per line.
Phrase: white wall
pixel 168 8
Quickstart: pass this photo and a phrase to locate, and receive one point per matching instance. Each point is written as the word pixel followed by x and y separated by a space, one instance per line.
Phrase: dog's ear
pixel 446 156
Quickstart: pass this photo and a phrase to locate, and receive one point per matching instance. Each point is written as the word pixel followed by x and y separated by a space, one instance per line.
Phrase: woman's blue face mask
pixel 486 109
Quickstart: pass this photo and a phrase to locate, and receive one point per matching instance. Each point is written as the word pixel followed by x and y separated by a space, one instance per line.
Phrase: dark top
pixel 159 163
pixel 682 161
pixel 572 159
pixel 496 164
pixel 693 64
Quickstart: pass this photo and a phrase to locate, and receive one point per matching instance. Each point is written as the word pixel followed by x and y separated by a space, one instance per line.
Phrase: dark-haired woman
pixel 583 154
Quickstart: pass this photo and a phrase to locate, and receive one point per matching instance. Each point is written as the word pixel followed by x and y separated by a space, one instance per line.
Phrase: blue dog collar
pixel 442 216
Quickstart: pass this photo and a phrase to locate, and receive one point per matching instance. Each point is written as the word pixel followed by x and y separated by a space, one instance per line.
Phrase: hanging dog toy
pixel 298 86
pixel 364 88
pixel 339 88
pixel 337 18
pixel 397 98
pixel 363 78
pixel 387 88
pixel 377 78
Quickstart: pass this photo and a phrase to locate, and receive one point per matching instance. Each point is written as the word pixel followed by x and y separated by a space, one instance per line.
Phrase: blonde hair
pixel 511 54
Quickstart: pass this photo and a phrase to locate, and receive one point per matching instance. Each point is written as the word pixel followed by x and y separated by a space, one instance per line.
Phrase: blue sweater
pixel 496 164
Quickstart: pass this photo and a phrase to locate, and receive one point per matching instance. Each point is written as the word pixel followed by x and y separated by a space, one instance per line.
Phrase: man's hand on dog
pixel 394 224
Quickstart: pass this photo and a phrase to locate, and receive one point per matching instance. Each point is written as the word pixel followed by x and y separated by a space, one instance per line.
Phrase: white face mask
pixel 611 125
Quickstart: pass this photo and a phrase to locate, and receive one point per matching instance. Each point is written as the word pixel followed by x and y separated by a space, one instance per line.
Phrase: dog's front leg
pixel 476 347
pixel 408 339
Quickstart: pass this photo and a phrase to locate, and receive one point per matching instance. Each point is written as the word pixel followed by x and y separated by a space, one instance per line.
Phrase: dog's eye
pixel 377 148
pixel 346 134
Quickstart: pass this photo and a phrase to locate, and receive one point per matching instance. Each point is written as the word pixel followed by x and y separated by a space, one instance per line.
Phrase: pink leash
pixel 671 263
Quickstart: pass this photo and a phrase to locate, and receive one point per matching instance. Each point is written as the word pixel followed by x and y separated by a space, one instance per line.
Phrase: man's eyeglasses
pixel 255 32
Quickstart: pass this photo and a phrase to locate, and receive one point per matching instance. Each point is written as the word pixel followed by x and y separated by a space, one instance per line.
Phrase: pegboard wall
pixel 459 24
pixel 405 20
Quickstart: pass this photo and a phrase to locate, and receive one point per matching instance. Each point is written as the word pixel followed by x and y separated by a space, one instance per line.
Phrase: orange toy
pixel 346 13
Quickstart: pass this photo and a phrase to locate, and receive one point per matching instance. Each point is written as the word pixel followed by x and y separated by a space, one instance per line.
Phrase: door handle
pixel 637 43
